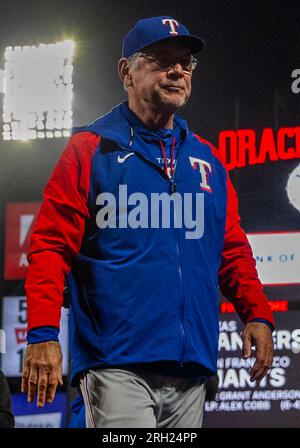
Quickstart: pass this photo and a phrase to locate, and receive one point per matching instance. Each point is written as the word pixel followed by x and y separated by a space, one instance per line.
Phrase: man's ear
pixel 124 72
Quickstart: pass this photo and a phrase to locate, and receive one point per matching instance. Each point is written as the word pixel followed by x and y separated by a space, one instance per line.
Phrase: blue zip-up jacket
pixel 145 296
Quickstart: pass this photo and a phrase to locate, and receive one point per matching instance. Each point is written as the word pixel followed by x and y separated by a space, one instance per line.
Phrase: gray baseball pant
pixel 119 398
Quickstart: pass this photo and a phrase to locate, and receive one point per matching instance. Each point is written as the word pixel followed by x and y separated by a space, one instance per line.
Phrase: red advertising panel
pixel 20 218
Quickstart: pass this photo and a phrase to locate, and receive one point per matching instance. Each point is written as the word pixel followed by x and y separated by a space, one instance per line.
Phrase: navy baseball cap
pixel 157 29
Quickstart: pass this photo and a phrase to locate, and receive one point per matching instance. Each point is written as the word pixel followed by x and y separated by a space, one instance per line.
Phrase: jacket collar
pixel 125 128
pixel 179 131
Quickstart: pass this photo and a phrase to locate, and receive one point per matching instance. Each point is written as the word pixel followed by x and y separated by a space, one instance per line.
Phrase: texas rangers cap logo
pixel 172 24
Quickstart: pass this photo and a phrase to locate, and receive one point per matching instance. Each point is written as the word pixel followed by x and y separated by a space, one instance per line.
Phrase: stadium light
pixel 38 91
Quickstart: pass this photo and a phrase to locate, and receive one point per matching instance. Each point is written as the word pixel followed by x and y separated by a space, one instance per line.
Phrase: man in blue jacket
pixel 143 281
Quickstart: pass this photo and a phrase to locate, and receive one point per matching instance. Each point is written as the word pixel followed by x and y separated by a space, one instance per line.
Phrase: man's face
pixel 159 79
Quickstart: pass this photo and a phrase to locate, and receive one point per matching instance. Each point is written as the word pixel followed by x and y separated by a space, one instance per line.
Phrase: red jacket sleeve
pixel 58 231
pixel 238 278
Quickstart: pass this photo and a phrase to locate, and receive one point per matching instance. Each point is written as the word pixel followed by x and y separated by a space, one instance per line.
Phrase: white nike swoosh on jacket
pixel 122 159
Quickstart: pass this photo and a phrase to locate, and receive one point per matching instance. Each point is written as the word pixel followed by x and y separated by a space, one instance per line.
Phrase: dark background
pixel 243 80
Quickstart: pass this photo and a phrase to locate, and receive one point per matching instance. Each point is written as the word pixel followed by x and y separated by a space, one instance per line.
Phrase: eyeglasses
pixel 188 63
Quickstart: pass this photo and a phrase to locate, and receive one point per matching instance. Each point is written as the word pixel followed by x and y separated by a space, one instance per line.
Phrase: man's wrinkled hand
pixel 42 371
pixel 258 335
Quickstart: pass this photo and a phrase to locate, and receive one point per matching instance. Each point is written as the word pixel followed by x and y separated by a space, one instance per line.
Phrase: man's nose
pixel 176 68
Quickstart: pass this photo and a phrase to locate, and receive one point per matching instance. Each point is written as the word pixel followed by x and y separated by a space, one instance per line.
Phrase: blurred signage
pixel 277 257
pixel 241 403
pixel 243 147
pixel 20 219
pixel 28 415
pixel 14 324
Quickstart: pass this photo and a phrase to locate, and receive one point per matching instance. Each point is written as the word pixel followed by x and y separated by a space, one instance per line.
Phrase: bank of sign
pixel 277 257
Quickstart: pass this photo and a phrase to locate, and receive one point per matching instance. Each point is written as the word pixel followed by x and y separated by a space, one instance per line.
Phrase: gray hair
pixel 132 63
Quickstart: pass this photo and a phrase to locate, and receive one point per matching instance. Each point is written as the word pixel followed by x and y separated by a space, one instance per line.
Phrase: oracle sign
pixel 20 218
pixel 243 147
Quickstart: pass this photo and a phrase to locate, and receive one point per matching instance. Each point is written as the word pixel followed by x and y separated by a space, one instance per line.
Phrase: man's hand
pixel 42 371
pixel 258 335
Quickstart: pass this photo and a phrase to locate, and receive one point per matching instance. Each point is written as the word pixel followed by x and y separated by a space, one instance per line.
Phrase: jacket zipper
pixel 180 274
pixel 182 302
pixel 172 189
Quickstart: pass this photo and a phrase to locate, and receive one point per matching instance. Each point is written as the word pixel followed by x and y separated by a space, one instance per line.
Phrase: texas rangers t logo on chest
pixel 205 170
